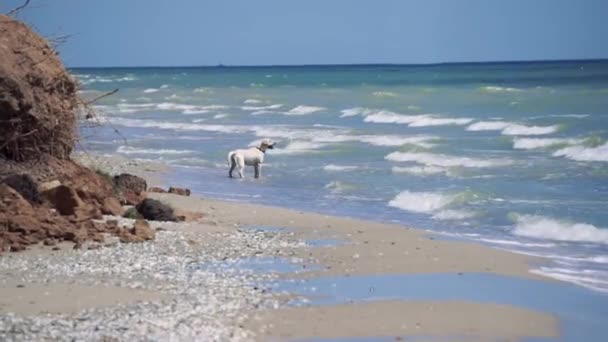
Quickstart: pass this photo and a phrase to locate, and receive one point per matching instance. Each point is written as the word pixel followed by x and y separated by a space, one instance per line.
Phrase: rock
pixel 111 206
pixel 157 189
pixel 142 229
pixel 179 191
pixel 48 185
pixel 130 183
pixel 131 198
pixel 64 199
pixel 24 185
pixel 154 210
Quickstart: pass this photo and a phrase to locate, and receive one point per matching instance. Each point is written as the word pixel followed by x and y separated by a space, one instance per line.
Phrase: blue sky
pixel 264 32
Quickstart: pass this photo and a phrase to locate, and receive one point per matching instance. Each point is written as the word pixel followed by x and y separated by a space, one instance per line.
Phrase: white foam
pixel 496 89
pixel 548 228
pixel 444 160
pixel 178 126
pixel 453 215
pixel 432 121
pixel 534 143
pixel 419 170
pixel 220 116
pixel 395 140
pixel 332 167
pixel 517 129
pixel 195 111
pixel 258 108
pixel 580 278
pixel 337 187
pixel 517 243
pixel 488 126
pixel 384 94
pixel 391 117
pixel 582 153
pixel 420 202
pixel 151 90
pixel 203 90
pixel 356 111
pixel 299 147
pixel 252 101
pixel 304 110
pixel 134 150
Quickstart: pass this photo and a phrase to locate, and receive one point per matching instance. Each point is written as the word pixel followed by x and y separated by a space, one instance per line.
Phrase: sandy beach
pixel 217 280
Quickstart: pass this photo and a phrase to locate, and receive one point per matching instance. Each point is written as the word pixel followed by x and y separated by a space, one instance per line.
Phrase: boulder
pixel 112 206
pixel 179 191
pixel 64 199
pixel 130 183
pixel 142 229
pixel 155 210
pixel 48 185
pixel 24 185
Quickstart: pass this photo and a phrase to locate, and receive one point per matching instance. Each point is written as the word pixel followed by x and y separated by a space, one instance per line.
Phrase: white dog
pixel 251 156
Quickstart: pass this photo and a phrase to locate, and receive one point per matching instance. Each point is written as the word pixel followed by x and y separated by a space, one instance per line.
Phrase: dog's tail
pixel 230 156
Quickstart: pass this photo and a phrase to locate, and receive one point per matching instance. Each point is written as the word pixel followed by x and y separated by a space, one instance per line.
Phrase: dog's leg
pixel 232 166
pixel 241 167
pixel 258 168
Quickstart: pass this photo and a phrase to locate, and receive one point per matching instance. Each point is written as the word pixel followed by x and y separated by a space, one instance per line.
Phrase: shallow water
pixel 582 313
pixel 511 155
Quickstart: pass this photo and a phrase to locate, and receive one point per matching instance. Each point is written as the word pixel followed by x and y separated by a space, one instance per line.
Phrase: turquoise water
pixel 513 155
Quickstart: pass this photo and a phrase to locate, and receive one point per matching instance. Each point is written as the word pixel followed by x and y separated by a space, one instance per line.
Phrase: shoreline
pixel 310 246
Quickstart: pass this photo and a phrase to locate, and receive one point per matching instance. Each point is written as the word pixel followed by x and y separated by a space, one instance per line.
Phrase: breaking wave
pixel 304 110
pixel 548 228
pixel 534 143
pixel 421 202
pixel 444 160
pixel 582 153
pixel 133 150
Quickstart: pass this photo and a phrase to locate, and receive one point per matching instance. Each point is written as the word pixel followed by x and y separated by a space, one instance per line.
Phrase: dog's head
pixel 266 144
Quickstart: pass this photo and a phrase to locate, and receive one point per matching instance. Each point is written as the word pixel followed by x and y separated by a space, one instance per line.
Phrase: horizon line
pixel 220 65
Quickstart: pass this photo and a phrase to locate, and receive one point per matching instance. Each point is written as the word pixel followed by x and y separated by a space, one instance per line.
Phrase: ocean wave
pixel 510 128
pixel 299 147
pixel 444 160
pixel 356 111
pixel 179 126
pixel 304 110
pixel 517 243
pixel 258 108
pixel 489 126
pixel 582 153
pixel 432 121
pixel 551 229
pixel 134 150
pixel 496 89
pixel 453 215
pixel 421 202
pixel 419 170
pixel 203 90
pixel 534 143
pixel 384 116
pixel 151 90
pixel 579 277
pixel 517 129
pixel 333 167
pixel 220 116
pixel 384 94
pixel 252 101
pixel 338 187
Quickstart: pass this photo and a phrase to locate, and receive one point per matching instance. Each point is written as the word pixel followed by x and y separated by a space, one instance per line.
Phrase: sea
pixel 510 155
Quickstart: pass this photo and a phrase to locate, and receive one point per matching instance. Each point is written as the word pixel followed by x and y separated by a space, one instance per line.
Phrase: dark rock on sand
pixel 157 189
pixel 179 191
pixel 155 210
